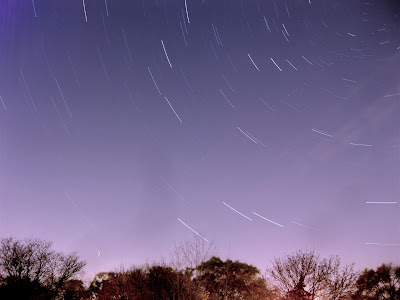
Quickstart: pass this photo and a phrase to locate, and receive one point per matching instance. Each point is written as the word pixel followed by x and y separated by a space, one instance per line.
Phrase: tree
pixel 72 289
pixel 30 268
pixel 384 283
pixel 341 281
pixel 305 275
pixel 165 283
pixel 187 255
pixel 230 280
pixel 147 283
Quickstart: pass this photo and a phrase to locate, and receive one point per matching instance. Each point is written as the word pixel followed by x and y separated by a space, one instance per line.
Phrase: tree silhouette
pixel 231 280
pixel 148 283
pixel 306 275
pixel 72 289
pixel 188 255
pixel 30 269
pixel 384 283
pixel 299 293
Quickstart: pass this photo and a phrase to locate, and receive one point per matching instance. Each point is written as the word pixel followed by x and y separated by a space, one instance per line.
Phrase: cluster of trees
pixel 30 269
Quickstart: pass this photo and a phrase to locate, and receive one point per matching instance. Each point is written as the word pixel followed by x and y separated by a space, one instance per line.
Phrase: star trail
pixel 119 119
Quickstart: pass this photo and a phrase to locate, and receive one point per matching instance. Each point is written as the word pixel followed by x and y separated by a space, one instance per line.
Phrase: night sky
pixel 264 126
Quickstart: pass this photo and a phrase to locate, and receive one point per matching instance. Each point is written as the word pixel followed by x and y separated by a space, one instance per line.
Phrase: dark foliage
pixel 231 280
pixel 384 283
pixel 155 282
pixel 29 269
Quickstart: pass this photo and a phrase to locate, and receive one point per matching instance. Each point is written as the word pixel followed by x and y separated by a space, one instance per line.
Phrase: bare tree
pixel 190 254
pixel 308 276
pixel 296 270
pixel 30 267
pixel 341 282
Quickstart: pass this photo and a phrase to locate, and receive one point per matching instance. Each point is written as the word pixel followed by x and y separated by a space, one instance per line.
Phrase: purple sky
pixel 281 109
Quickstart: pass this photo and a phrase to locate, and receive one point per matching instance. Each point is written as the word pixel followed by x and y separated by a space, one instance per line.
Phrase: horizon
pixel 266 127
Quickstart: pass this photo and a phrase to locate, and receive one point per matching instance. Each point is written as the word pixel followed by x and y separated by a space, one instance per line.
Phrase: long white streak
pixel 276 64
pixel 1 98
pixel 364 145
pixel 34 8
pixel 382 244
pixel 62 95
pixel 287 10
pixel 187 82
pixel 253 62
pixel 341 97
pixel 102 63
pixel 173 189
pixel 215 53
pixel 183 34
pixel 228 83
pixel 165 51
pixel 130 95
pixel 193 230
pixel 267 219
pixel 305 226
pixel 187 13
pixel 307 60
pixel 391 95
pixel 29 92
pixel 165 12
pixel 73 69
pixel 285 29
pixel 126 44
pixel 227 99
pixel 266 24
pixel 320 132
pixel 105 29
pixel 230 60
pixel 173 110
pixel 154 80
pixel 258 141
pixel 291 106
pixel 59 115
pixel 237 211
pixel 215 33
pixel 45 58
pixel 266 104
pixel 327 64
pixel 80 211
pixel 106 7
pixel 84 9
pixel 90 242
pixel 184 23
pixel 246 135
pixel 216 29
pixel 285 36
pixel 349 80
pixel 380 202
pixel 291 65
pixel 273 21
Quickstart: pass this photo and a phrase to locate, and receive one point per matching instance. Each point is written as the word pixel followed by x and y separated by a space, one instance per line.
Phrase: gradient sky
pixel 120 118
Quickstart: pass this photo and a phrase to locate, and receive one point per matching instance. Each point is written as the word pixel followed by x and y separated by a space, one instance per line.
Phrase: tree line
pixel 31 270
